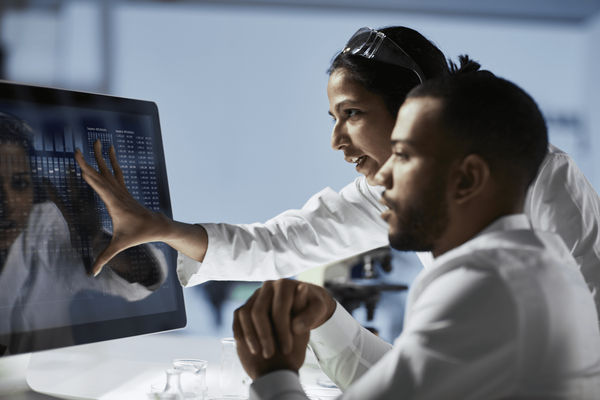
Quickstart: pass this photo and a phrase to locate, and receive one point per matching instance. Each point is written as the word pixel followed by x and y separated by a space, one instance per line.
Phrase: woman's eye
pixel 19 183
pixel 352 112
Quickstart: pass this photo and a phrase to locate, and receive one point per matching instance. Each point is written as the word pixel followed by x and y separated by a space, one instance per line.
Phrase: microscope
pixel 357 280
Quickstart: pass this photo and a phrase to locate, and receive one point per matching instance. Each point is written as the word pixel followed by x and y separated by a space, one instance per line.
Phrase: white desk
pixel 147 357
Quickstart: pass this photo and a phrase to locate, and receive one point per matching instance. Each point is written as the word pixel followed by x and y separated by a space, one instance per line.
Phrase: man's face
pixel 16 192
pixel 415 178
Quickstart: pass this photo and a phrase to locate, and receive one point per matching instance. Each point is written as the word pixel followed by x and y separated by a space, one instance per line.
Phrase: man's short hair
pixel 492 117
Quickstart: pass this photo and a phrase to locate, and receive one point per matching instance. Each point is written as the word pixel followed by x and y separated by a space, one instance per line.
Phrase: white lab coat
pixel 332 226
pixel 505 315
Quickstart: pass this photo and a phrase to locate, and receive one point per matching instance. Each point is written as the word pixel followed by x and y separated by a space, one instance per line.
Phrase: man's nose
pixel 383 177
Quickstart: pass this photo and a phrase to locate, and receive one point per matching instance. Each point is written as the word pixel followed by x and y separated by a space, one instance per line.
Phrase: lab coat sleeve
pixel 436 357
pixel 562 200
pixel 330 226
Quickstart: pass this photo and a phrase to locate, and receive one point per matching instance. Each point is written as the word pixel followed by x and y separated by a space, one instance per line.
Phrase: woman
pixel 368 81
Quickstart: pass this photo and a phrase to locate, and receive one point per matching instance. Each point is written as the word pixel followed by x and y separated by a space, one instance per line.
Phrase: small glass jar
pixel 172 389
pixel 193 378
pixel 233 380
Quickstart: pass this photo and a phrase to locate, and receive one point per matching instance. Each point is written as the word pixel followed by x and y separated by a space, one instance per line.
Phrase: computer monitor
pixel 52 224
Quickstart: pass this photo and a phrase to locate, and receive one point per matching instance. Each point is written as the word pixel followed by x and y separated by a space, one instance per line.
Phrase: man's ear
pixel 470 178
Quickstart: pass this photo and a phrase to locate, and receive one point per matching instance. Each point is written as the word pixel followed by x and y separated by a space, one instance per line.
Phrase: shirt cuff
pixel 187 270
pixel 335 335
pixel 276 385
pixel 192 272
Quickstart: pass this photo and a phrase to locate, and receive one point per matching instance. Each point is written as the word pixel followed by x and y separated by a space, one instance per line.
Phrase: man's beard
pixel 419 226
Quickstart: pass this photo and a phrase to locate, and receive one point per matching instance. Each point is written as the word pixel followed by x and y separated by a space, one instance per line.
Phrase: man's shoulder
pixel 522 260
pixel 514 274
pixel 513 253
pixel 492 249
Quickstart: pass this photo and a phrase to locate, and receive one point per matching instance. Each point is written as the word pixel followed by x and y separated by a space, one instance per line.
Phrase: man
pixel 502 312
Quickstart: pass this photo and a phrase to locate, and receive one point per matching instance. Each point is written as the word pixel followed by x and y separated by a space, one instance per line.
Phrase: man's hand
pixel 279 312
pixel 257 366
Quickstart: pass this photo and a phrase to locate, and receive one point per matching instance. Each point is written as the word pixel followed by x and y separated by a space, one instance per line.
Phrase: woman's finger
pixel 85 167
pixel 115 165
pixel 102 167
pixel 98 185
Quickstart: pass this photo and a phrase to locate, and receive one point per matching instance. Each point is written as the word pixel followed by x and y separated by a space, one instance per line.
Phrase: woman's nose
pixel 339 138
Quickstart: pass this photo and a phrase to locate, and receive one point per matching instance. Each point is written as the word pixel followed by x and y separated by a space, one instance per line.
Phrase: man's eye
pixel 401 155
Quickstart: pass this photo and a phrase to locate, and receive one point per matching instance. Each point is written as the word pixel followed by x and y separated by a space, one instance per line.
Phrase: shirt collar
pixel 504 223
pixel 507 223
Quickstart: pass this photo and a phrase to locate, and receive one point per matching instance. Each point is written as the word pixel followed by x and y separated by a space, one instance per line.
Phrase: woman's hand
pixel 133 224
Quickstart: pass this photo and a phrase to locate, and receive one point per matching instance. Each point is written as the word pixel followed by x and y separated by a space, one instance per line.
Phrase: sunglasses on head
pixel 375 45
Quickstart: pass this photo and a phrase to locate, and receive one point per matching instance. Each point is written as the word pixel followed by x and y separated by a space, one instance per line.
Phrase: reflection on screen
pixel 52 225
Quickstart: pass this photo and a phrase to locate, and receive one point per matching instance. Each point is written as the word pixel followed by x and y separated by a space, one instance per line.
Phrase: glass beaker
pixel 193 377
pixel 233 380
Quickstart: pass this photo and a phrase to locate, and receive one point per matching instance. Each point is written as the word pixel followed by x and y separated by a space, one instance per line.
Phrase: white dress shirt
pixel 332 226
pixel 507 314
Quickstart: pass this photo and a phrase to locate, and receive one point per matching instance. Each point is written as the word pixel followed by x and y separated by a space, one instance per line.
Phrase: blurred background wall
pixel 240 85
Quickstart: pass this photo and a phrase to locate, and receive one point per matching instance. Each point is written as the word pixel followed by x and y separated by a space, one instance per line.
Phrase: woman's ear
pixel 470 178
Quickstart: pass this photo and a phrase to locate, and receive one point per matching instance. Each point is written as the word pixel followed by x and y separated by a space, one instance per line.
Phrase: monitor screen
pixel 52 224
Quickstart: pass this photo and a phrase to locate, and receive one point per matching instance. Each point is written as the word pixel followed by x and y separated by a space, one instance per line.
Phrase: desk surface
pixel 151 354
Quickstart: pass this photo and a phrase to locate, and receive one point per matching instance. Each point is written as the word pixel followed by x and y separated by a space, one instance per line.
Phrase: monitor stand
pixel 105 370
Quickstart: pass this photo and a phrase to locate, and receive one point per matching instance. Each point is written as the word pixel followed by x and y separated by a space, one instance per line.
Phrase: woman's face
pixel 363 124
pixel 16 192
